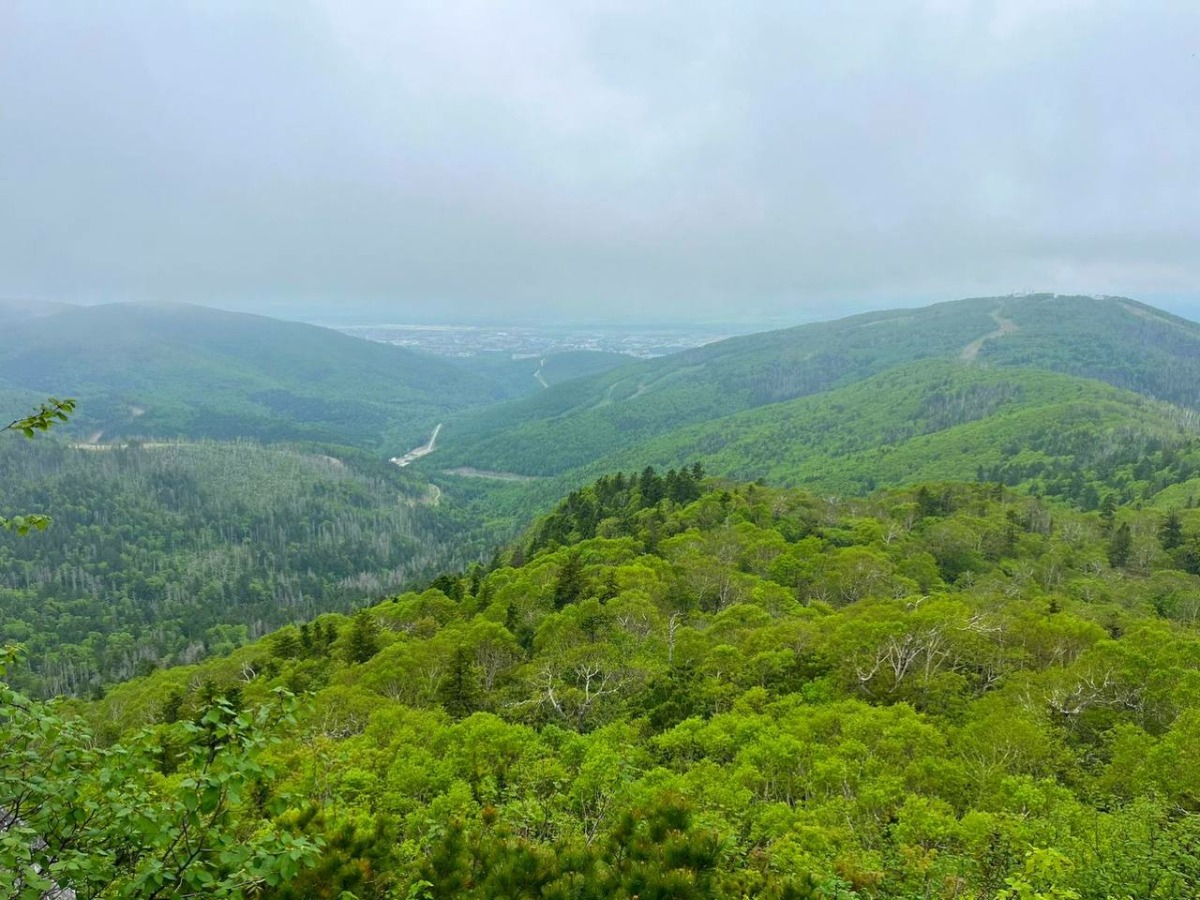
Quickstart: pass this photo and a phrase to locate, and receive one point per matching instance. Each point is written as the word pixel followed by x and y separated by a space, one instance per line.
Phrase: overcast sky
pixel 447 160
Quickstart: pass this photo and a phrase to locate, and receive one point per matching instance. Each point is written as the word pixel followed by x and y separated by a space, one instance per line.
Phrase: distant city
pixel 523 341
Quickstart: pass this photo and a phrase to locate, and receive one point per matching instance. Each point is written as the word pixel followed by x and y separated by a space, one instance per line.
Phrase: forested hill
pixel 519 377
pixel 167 553
pixel 683 688
pixel 172 370
pixel 1050 434
pixel 1118 341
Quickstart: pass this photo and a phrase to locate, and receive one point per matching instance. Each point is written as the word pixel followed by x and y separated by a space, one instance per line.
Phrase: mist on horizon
pixel 765 164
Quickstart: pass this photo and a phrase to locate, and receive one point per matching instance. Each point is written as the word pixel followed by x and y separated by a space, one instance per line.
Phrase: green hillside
pixel 703 691
pixel 933 421
pixel 172 370
pixel 235 562
pixel 169 552
pixel 1055 435
pixel 520 377
pixel 576 423
pixel 1118 341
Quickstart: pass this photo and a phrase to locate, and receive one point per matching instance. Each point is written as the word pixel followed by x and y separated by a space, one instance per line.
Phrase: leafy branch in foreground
pixel 50 413
pixel 177 810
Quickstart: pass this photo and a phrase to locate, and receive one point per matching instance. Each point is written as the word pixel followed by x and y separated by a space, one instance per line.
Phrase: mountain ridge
pixel 1118 341
pixel 156 369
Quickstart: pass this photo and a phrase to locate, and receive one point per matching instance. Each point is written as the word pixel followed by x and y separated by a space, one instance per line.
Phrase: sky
pixel 550 160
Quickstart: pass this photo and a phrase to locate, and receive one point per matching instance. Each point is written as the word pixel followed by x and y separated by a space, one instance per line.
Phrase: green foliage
pixel 106 822
pixel 1170 533
pixel 1039 880
pixel 933 692
pixel 569 583
pixel 1120 546
pixel 50 413
pixel 679 688
pixel 166 553
pixel 1053 434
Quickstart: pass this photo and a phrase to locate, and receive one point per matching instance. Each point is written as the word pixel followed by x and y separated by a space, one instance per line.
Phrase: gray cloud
pixel 617 159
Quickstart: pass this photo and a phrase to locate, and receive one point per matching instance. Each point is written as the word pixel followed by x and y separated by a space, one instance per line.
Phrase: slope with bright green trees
pixel 1112 340
pixel 686 688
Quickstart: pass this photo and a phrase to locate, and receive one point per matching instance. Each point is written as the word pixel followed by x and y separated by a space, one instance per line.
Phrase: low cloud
pixel 617 160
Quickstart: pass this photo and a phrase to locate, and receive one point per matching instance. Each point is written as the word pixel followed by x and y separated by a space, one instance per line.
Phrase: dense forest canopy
pixel 167 552
pixel 678 687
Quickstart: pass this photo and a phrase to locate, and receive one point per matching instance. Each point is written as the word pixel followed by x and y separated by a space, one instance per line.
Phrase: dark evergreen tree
pixel 611 588
pixel 363 642
pixel 329 634
pixel 927 504
pixel 1170 534
pixel 459 691
pixel 569 585
pixel 172 708
pixel 285 644
pixel 1108 508
pixel 450 585
pixel 1120 546
pixel 651 486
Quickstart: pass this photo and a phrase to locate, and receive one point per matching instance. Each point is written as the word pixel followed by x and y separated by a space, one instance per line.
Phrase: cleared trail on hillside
pixel 1004 327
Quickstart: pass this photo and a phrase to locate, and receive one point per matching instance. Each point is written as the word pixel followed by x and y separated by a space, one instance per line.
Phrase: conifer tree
pixel 363 642
pixel 651 486
pixel 459 691
pixel 1120 547
pixel 568 586
pixel 1108 509
pixel 1170 535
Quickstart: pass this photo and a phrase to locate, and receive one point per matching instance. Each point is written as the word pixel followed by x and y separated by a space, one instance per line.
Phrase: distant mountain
pixel 13 310
pixel 1115 340
pixel 170 370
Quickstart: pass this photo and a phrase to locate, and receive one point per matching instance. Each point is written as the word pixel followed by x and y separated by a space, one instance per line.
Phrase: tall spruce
pixel 568 586
pixel 363 641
